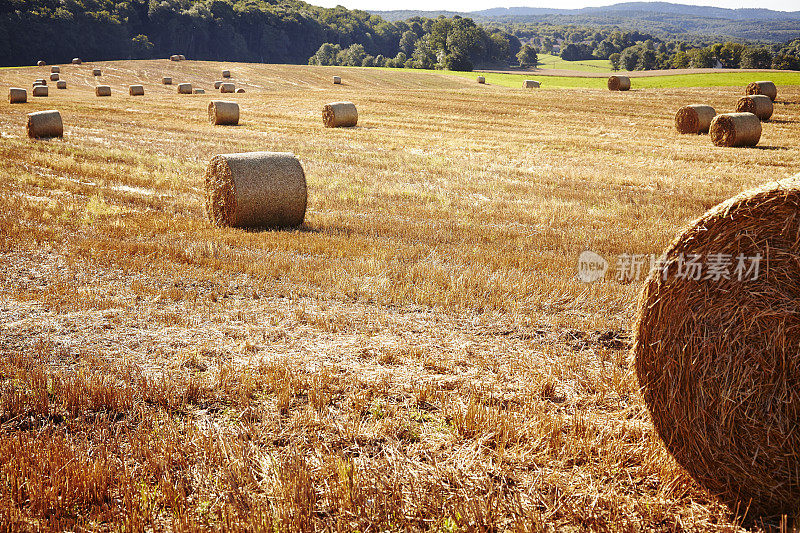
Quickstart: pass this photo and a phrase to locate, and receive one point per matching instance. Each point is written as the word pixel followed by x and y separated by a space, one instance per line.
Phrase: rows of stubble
pixel 419 354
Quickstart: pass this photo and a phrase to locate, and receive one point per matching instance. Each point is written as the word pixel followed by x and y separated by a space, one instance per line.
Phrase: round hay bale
pixel 340 114
pixel 758 104
pixel 17 95
pixel 40 90
pixel 97 72
pixel 226 73
pixel 767 88
pixel 55 70
pixel 136 90
pixel 256 189
pixel 102 90
pixel 227 87
pixel 54 77
pixel 239 90
pixel 619 83
pixel 76 61
pixel 40 81
pixel 337 80
pixel 182 57
pixel 166 80
pixel 61 84
pixel 174 57
pixel 218 83
pixel 224 113
pixel 41 63
pixel 717 358
pixel 694 118
pixel 530 84
pixel 42 124
pixel 199 91
pixel 735 129
pixel 184 88
pixel 481 79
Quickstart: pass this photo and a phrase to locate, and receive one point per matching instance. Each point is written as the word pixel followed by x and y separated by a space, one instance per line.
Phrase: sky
pixel 476 5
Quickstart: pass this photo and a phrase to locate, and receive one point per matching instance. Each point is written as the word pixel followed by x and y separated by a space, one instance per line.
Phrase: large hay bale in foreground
pixel 221 112
pixel 735 129
pixel 337 80
pixel 758 104
pixel 40 90
pixel 76 61
pixel 166 80
pixel 227 88
pixel 17 95
pixel 43 124
pixel 136 90
pixel 767 88
pixel 340 115
pixel 55 70
pixel 184 88
pixel 695 118
pixel 256 189
pixel 61 84
pixel 481 79
pixel 718 356
pixel 54 77
pixel 97 72
pixel 226 73
pixel 530 84
pixel 619 83
pixel 102 90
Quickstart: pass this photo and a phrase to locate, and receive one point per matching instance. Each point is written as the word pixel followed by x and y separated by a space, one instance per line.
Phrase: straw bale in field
pixel 184 88
pixel 45 124
pixel 735 129
pixel 54 77
pixel 619 83
pixel 40 81
pixel 40 90
pixel 758 104
pixel 226 73
pixel 55 70
pixel 199 91
pixel 227 87
pixel 102 90
pixel 41 63
pixel 337 80
pixel 97 72
pixel 218 83
pixel 767 88
pixel 136 90
pixel 166 80
pixel 221 112
pixel 717 349
pixel 17 95
pixel 695 118
pixel 240 90
pixel 256 189
pixel 76 61
pixel 340 114
pixel 61 84
pixel 530 84
pixel 481 79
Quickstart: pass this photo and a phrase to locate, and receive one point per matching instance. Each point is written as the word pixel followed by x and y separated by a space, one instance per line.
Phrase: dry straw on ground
pixel 619 83
pixel 339 114
pixel 735 129
pixel 55 69
pixel 61 84
pixel 256 189
pixel 481 79
pixel 42 124
pixel 184 88
pixel 337 80
pixel 136 90
pixel 54 77
pixel 226 73
pixel 166 80
pixel 221 112
pixel 767 88
pixel 227 88
pixel 76 61
pixel 717 359
pixel 97 72
pixel 102 90
pixel 40 90
pixel 17 95
pixel 530 84
pixel 758 104
pixel 695 118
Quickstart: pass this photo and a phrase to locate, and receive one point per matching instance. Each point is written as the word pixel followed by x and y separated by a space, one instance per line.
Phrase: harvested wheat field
pixel 418 355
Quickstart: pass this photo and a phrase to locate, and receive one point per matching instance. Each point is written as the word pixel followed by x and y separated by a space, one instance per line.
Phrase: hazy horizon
pixel 477 5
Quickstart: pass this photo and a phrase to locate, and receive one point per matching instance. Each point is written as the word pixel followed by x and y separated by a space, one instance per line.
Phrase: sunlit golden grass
pixel 419 354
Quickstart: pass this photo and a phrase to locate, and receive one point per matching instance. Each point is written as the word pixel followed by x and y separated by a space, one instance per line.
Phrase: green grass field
pixel 591 65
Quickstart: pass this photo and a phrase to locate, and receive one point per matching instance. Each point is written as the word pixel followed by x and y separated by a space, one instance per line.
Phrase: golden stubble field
pixel 419 355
